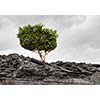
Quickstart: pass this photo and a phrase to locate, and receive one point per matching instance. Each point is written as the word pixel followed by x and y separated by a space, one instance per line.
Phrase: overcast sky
pixel 79 36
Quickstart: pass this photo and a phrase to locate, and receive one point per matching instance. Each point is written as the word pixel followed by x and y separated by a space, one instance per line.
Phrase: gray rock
pixel 3 74
pixel 59 72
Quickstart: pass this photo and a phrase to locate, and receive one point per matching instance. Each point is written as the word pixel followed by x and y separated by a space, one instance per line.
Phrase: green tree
pixel 38 39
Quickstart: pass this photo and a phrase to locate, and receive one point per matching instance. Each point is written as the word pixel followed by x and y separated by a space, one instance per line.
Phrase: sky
pixel 79 36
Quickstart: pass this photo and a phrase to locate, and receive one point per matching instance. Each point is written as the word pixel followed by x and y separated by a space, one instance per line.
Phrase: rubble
pixel 18 69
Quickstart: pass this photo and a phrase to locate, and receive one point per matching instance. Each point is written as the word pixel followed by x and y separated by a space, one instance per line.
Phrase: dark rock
pixel 36 61
pixel 60 63
pixel 16 67
pixel 3 74
pixel 2 69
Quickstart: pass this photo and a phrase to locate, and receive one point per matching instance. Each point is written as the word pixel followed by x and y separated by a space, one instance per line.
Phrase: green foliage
pixel 37 38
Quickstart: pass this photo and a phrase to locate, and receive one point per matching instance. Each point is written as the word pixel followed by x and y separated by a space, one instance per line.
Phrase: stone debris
pixel 17 69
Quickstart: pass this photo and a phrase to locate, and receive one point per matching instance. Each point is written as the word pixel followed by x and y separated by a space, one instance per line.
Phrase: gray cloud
pixel 9 26
pixel 7 34
pixel 78 36
pixel 83 43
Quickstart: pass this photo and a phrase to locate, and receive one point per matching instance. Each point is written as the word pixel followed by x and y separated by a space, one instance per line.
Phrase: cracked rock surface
pixel 19 70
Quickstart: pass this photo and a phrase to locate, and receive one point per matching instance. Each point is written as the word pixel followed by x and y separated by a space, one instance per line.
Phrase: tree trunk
pixel 42 57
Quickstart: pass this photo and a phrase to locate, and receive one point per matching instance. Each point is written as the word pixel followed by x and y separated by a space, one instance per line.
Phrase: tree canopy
pixel 38 39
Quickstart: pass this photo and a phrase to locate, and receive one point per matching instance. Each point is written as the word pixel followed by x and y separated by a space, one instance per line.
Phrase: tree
pixel 38 39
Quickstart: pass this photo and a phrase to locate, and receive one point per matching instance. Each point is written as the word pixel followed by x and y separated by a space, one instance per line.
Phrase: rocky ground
pixel 19 70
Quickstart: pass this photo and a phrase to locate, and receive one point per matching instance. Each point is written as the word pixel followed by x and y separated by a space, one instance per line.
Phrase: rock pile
pixel 18 67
